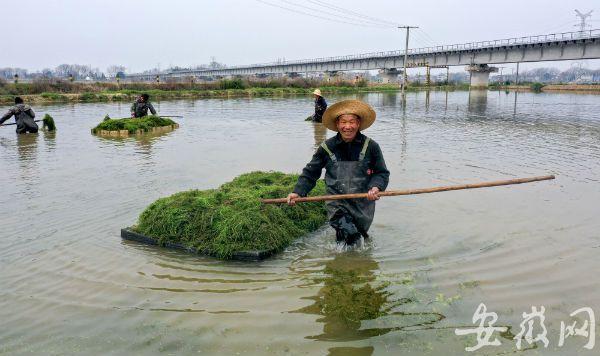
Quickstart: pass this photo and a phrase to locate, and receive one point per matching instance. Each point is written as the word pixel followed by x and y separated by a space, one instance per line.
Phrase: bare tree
pixel 9 73
pixel 114 69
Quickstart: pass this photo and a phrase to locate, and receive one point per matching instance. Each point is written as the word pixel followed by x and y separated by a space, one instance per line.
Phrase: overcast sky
pixel 143 34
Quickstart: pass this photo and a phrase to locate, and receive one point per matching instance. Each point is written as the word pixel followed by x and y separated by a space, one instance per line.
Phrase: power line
pixel 349 12
pixel 427 36
pixel 562 26
pixel 423 40
pixel 563 20
pixel 365 22
pixel 316 16
pixel 354 18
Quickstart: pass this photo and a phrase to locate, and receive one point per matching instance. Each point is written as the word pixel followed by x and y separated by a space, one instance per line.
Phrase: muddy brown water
pixel 69 284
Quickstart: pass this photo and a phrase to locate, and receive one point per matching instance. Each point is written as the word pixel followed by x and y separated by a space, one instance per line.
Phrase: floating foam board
pixel 129 234
pixel 125 133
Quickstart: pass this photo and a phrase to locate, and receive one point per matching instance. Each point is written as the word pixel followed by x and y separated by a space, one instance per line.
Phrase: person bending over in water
pixel 23 116
pixel 140 107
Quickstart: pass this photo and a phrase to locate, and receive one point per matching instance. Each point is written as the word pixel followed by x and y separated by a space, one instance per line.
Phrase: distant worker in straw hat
pixel 353 164
pixel 24 116
pixel 320 106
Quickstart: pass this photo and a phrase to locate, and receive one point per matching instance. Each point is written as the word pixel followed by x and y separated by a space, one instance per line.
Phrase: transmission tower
pixel 583 25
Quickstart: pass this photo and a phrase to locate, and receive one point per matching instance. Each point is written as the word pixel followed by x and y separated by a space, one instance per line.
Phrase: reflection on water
pixel 320 132
pixel 478 101
pixel 354 304
pixel 432 260
pixel 348 297
pixel 49 139
pixel 390 99
pixel 27 145
pixel 27 152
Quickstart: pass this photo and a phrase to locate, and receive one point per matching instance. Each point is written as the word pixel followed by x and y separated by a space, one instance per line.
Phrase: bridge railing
pixel 563 36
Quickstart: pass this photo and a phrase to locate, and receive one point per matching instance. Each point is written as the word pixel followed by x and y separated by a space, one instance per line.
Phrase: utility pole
pixel 404 76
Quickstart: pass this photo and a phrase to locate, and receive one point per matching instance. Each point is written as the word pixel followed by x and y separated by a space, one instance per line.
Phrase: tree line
pixel 82 72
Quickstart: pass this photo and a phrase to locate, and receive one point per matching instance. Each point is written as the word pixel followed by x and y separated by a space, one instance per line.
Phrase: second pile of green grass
pixel 133 124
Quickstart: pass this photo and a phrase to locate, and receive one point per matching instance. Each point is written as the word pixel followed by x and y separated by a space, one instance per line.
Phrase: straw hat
pixel 356 107
pixel 317 92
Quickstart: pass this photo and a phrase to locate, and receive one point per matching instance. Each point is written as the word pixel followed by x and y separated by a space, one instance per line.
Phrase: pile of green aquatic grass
pixel 133 124
pixel 230 219
pixel 49 123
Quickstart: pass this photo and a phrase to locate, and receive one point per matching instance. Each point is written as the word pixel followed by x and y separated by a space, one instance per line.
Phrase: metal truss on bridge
pixel 552 47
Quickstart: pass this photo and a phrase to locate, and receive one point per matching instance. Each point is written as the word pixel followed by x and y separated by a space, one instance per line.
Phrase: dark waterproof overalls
pixel 140 109
pixel 351 218
pixel 320 107
pixel 24 118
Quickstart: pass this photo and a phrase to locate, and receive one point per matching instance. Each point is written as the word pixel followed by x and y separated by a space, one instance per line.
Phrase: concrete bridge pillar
pixel 389 75
pixel 480 74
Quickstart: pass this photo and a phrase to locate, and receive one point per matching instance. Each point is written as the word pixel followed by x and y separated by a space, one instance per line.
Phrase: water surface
pixel 69 284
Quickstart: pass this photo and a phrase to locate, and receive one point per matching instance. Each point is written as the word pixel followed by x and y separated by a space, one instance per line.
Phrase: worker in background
pixel 140 107
pixel 23 116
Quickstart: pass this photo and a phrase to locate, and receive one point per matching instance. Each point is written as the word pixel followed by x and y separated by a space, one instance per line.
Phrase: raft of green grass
pixel 133 125
pixel 231 219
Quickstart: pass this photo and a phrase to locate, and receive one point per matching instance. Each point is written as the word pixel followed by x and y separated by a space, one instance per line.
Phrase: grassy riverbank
pixel 60 91
pixel 157 94
pixel 540 87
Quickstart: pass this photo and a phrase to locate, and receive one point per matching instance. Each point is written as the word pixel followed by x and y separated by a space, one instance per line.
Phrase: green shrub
pixel 53 96
pixel 361 83
pixel 87 96
pixel 235 83
pixel 537 87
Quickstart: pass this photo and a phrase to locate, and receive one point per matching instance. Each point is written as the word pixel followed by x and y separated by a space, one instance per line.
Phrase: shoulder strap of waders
pixel 331 155
pixel 364 149
pixel 22 110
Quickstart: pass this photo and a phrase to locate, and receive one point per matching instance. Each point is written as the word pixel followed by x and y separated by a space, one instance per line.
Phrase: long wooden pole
pixel 14 123
pixel 412 191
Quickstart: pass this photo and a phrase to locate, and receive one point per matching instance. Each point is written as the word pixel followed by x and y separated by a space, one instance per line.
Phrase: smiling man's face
pixel 348 125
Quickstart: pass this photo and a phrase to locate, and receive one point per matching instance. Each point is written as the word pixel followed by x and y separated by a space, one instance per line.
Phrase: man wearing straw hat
pixel 320 106
pixel 353 164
